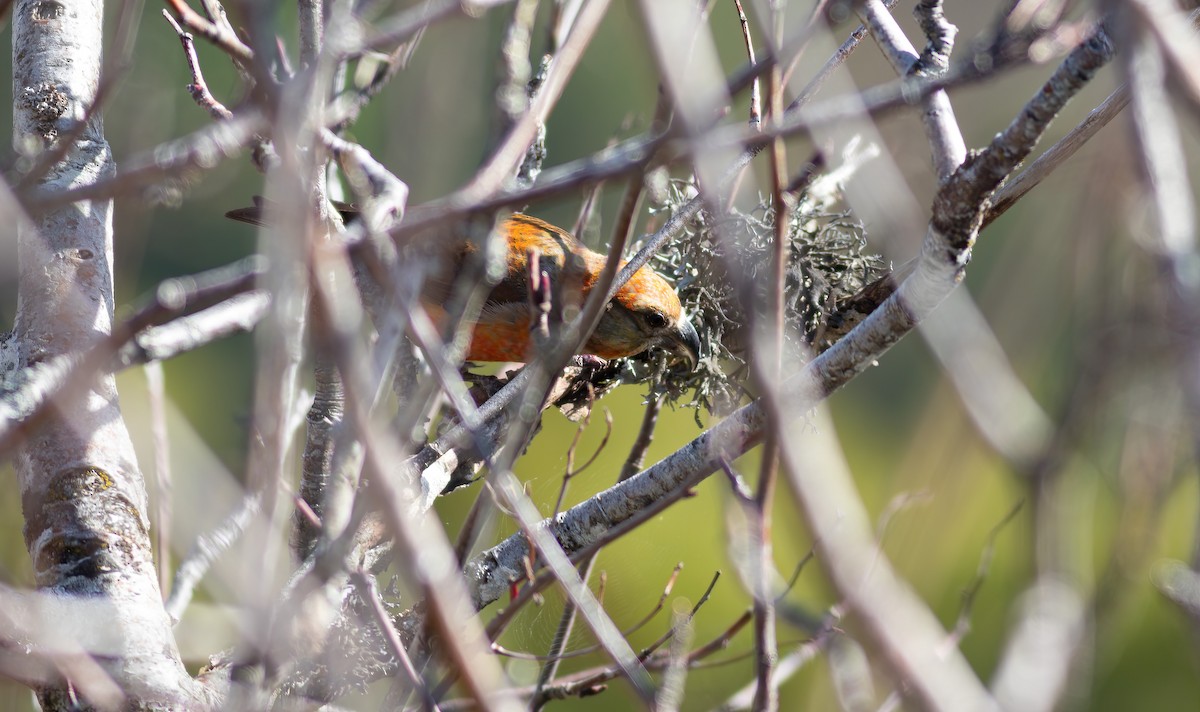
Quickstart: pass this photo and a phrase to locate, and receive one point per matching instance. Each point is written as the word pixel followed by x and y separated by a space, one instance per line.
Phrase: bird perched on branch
pixel 644 313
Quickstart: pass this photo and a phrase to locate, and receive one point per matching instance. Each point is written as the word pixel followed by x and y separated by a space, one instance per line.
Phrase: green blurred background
pixel 1060 278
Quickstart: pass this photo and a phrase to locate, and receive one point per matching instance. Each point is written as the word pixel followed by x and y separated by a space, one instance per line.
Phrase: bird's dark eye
pixel 656 319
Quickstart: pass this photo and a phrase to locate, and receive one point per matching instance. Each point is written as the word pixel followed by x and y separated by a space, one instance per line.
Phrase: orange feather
pixel 645 312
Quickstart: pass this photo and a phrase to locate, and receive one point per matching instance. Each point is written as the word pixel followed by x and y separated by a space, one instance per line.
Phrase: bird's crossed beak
pixel 685 342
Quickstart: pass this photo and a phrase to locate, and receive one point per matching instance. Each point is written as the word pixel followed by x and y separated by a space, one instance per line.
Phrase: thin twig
pixel 737 483
pixel 670 692
pixel 365 583
pixel 627 632
pixel 1056 155
pixel 219 34
pixel 963 624
pixel 937 116
pixel 156 392
pixel 205 551
pixel 198 88
pixel 238 314
pixel 405 25
pixel 570 471
pixel 62 378
pixel 641 444
pixel 768 369
pixel 595 682
pixel 507 156
pixel 755 92
pixel 831 65
pixel 200 150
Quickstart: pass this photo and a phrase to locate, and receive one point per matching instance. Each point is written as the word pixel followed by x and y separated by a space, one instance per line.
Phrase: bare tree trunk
pixel 82 493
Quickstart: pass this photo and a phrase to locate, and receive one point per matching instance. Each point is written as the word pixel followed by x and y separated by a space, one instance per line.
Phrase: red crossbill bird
pixel 645 313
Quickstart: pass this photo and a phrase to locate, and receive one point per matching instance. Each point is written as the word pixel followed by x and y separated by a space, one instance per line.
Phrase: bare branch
pixel 941 127
pixel 198 88
pixel 64 376
pixel 413 20
pixel 508 154
pixel 219 33
pixel 206 550
pixel 202 150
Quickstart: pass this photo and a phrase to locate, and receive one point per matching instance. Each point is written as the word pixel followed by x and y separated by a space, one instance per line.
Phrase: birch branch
pixel 83 495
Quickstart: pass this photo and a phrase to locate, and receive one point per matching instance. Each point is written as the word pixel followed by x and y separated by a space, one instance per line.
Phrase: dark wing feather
pixel 259 213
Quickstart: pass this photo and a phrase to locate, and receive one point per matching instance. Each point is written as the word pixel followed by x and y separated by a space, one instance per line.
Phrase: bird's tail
pixel 260 213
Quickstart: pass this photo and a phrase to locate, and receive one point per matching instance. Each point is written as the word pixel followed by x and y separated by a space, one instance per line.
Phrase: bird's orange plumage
pixel 644 313
pixel 504 333
pixel 500 341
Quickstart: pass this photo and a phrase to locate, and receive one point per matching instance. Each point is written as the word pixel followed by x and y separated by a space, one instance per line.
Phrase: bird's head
pixel 645 313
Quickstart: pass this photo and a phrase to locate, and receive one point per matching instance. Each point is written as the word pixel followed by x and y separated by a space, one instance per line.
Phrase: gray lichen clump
pixel 827 262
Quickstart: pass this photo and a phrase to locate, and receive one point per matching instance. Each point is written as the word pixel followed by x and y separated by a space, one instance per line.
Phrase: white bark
pixel 82 493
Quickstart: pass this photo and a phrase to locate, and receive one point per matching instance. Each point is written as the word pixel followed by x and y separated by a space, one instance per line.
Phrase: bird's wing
pixel 522 233
pixel 448 253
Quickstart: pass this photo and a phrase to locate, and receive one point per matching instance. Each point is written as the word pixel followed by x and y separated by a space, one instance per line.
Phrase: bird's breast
pixel 501 333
